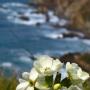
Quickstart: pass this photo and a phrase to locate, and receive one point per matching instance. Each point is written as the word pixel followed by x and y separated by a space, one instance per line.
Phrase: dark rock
pixel 38 24
pixel 73 34
pixel 82 59
pixel 25 18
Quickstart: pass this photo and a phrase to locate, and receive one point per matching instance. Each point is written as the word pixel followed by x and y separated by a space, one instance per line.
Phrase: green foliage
pixel 49 80
pixel 8 83
pixel 66 82
pixel 87 85
pixel 58 78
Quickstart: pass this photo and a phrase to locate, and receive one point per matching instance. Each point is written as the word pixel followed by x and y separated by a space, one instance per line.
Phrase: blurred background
pixel 28 28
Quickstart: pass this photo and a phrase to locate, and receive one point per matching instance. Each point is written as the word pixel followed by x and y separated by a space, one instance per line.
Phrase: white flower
pixel 82 75
pixel 46 65
pixel 28 81
pixel 75 72
pixel 33 75
pixel 24 86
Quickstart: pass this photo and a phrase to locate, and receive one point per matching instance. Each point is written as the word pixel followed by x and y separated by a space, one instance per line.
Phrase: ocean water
pixel 20 39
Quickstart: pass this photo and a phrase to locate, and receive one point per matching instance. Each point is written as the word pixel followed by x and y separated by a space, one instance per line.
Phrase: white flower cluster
pixel 45 75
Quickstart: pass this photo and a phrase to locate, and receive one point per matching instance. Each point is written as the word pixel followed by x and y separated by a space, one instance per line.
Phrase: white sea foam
pixel 63 22
pixel 6 64
pixel 33 19
pixel 54 20
pixel 50 13
pixel 25 59
pixel 54 35
pixel 86 41
pixel 14 4
pixel 14 16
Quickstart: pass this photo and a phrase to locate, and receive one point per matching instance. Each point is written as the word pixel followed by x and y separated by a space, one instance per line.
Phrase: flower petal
pixel 22 86
pixel 82 75
pixel 45 61
pixel 33 75
pixel 22 80
pixel 56 65
pixel 46 65
pixel 30 88
pixel 25 75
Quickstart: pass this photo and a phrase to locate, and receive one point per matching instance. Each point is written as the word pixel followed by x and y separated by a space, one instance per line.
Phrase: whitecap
pixel 86 41
pixel 63 22
pixel 54 35
pixel 7 64
pixel 50 13
pixel 33 19
pixel 14 4
pixel 25 59
pixel 54 20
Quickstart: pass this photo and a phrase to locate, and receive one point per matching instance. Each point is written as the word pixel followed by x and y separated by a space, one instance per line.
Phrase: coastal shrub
pixel 51 74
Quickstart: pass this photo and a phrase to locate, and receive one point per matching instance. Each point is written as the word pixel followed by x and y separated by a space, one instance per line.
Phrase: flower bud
pixel 57 86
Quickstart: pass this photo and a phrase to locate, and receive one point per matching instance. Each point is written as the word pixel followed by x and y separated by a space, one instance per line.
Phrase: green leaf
pixel 86 85
pixel 49 80
pixel 35 88
pixel 58 78
pixel 66 82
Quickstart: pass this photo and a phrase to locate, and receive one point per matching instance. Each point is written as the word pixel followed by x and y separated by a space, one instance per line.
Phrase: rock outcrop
pixel 83 59
pixel 76 10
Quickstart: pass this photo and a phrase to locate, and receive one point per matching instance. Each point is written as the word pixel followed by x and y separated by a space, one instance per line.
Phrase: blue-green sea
pixel 19 40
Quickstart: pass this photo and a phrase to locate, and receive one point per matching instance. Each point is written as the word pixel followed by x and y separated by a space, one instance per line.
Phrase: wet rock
pixel 77 11
pixel 82 59
pixel 73 34
pixel 84 31
pixel 67 34
pixel 25 18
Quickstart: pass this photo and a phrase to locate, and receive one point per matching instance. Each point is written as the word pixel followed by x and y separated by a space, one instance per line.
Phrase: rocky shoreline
pixel 57 22
pixel 76 11
pixel 49 16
